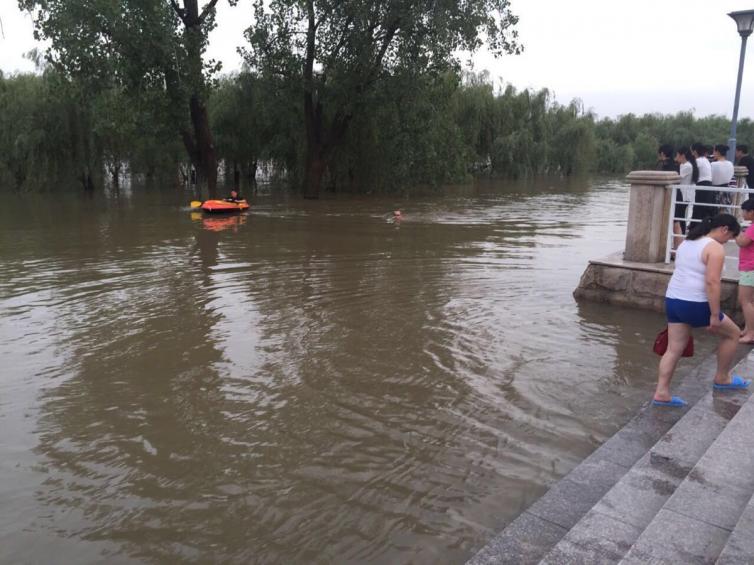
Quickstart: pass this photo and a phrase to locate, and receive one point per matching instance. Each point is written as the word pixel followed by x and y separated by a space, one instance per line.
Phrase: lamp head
pixel 744 21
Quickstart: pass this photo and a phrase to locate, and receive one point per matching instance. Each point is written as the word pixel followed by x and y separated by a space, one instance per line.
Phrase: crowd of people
pixel 699 169
pixel 692 299
pixel 705 166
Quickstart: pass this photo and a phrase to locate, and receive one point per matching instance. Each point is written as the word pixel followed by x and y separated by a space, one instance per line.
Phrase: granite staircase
pixel 673 486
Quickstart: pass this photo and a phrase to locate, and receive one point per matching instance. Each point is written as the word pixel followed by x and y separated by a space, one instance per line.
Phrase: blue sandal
pixel 675 402
pixel 736 383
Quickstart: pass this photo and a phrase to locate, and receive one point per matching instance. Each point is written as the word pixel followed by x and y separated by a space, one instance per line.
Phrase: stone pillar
pixel 648 209
pixel 740 174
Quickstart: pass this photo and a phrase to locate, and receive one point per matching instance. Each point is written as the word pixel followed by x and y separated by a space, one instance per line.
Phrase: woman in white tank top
pixel 693 301
pixel 689 175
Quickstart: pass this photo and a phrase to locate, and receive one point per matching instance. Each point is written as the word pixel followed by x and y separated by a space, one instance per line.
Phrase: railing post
pixel 648 209
pixel 740 174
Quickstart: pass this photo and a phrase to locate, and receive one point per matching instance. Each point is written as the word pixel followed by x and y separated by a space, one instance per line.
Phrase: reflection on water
pixel 306 383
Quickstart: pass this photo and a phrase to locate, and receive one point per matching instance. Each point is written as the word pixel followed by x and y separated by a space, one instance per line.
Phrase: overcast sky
pixel 617 57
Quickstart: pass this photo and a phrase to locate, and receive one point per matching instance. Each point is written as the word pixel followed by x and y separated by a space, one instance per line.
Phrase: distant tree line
pixel 328 61
pixel 341 95
pixel 412 131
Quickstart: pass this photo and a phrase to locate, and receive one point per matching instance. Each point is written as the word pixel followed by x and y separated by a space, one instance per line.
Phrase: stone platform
pixel 637 277
pixel 613 280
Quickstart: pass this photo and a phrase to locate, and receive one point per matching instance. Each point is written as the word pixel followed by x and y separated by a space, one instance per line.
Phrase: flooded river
pixel 310 383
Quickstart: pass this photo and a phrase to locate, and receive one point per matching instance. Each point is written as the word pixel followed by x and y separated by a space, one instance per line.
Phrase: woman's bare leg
pixel 746 300
pixel 678 337
pixel 729 333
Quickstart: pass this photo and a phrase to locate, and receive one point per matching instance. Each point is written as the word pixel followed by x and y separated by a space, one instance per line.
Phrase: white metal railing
pixel 731 204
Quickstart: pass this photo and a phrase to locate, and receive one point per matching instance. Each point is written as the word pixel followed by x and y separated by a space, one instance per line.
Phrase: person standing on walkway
pixel 692 300
pixel 665 158
pixel 705 197
pixel 722 174
pixel 745 242
pixel 689 173
pixel 743 159
pixel 687 168
pixel 666 162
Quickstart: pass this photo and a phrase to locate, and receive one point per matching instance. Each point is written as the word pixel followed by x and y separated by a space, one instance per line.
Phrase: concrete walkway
pixel 673 486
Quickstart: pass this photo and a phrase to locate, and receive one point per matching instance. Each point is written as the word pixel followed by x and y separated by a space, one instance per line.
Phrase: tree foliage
pixel 255 122
pixel 336 52
pixel 144 55
pixel 54 134
pixel 415 130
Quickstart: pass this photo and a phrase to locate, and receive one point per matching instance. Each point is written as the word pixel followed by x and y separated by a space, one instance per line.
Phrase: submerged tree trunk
pixel 86 180
pixel 312 115
pixel 315 169
pixel 205 156
pixel 198 141
pixel 115 174
pixel 251 176
pixel 320 140
pixel 236 177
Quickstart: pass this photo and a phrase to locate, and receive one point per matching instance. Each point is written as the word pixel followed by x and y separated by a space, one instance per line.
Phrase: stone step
pixel 614 523
pixel 696 522
pixel 537 530
pixel 739 548
pixel 528 538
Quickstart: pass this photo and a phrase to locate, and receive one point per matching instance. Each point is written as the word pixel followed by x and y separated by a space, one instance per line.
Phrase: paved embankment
pixel 672 486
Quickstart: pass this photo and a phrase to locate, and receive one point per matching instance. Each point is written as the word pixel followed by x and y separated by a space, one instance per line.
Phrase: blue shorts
pixel 695 314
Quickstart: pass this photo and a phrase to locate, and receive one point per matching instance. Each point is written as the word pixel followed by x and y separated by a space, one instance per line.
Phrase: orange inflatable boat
pixel 223 206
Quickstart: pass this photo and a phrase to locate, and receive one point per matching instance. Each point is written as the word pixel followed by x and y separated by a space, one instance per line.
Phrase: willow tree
pixel 338 50
pixel 151 49
pixel 254 120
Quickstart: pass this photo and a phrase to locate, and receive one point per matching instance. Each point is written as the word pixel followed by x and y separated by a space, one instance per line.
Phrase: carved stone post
pixel 740 174
pixel 648 208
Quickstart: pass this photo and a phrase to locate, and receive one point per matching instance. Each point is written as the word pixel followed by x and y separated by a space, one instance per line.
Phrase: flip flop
pixel 736 383
pixel 675 402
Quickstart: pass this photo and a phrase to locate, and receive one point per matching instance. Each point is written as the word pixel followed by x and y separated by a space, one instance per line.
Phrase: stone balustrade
pixel 638 276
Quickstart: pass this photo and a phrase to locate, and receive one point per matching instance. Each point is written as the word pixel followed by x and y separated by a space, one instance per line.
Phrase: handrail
pixel 734 205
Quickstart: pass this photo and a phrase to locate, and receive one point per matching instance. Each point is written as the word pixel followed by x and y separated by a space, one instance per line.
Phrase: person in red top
pixel 746 269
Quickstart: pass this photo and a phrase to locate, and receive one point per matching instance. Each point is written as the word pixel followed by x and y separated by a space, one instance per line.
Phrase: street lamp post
pixel 745 22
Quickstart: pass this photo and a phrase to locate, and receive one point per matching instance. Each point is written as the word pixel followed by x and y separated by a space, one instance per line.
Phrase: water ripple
pixel 311 384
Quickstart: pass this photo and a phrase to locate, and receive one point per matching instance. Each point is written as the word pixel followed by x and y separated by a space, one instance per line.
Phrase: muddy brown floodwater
pixel 313 382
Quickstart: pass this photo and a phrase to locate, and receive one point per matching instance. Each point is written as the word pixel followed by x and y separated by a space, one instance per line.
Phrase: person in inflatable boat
pixel 234 196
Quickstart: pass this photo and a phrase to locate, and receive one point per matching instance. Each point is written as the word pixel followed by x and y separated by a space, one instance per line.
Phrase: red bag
pixel 661 344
